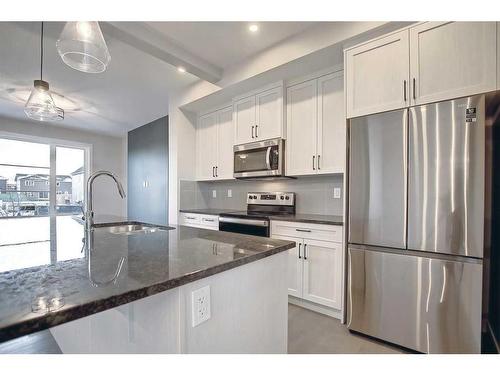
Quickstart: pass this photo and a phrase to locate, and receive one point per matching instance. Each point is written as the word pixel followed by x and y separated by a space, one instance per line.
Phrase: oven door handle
pixel 231 220
pixel 268 158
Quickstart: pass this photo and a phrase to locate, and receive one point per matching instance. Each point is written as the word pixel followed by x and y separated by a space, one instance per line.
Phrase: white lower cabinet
pixel 199 220
pixel 314 266
pixel 321 280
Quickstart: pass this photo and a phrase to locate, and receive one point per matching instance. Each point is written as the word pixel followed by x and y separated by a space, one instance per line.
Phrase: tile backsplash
pixel 314 194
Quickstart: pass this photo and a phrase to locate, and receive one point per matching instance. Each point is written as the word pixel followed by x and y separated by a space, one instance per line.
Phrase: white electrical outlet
pixel 200 302
pixel 229 193
pixel 336 193
pixel 214 193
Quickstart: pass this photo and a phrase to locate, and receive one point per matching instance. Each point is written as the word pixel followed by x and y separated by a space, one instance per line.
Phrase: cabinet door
pixel 331 124
pixel 225 142
pixel 322 278
pixel 452 59
pixel 301 128
pixel 206 139
pixel 295 265
pixel 377 75
pixel 244 120
pixel 498 55
pixel 269 112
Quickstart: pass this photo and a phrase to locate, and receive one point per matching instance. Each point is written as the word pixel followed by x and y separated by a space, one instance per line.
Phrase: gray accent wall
pixel 314 194
pixel 147 195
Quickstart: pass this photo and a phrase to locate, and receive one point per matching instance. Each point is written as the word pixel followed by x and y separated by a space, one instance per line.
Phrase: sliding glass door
pixel 41 179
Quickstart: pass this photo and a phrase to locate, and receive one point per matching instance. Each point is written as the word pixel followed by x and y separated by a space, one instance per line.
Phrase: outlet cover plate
pixel 200 305
pixel 214 193
pixel 229 193
pixel 336 193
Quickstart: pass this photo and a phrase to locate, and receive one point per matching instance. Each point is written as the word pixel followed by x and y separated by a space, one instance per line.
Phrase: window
pixel 37 174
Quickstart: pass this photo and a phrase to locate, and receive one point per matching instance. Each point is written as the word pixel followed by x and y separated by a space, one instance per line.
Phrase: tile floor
pixel 308 333
pixel 313 333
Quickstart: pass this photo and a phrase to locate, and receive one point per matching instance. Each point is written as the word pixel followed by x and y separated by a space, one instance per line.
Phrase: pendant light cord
pixel 41 54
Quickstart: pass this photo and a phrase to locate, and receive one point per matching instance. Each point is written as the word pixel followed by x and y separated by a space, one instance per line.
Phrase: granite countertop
pixel 207 211
pixel 47 279
pixel 311 218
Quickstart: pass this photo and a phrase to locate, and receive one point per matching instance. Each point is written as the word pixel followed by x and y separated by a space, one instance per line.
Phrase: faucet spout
pixel 89 214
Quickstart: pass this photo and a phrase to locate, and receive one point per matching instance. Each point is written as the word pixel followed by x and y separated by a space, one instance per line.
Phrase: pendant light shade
pixel 81 46
pixel 40 105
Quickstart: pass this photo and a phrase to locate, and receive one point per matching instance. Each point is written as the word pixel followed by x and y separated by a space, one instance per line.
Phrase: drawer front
pixel 211 221
pixel 187 218
pixel 199 220
pixel 322 232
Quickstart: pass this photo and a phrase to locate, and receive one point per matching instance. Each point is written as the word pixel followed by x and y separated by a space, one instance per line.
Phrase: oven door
pixel 259 159
pixel 254 227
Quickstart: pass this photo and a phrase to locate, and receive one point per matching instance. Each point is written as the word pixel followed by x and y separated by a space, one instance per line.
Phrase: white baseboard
pixel 337 314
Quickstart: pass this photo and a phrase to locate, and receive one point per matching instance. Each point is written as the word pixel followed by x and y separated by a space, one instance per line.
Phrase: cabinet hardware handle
pixel 216 171
pixel 210 220
pixel 299 251
pixel 190 218
pixel 305 254
pixel 256 131
pixel 252 131
pixel 314 168
pixel 404 89
pixel 213 171
pixel 414 89
pixel 318 162
pixel 303 230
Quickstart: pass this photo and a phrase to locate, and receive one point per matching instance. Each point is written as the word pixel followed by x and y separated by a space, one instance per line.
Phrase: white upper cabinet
pixel 377 75
pixel 225 141
pixel 331 124
pixel 316 126
pixel 429 62
pixel 244 119
pixel 259 116
pixel 302 113
pixel 452 59
pixel 269 114
pixel 206 146
pixel 214 145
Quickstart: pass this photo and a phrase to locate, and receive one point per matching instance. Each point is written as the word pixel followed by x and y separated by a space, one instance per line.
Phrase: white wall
pixel 107 153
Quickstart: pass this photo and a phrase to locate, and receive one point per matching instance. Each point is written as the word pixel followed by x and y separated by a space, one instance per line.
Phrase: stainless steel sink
pixel 131 228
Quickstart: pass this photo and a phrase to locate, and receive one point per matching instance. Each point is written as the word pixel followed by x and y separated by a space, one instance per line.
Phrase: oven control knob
pixel 282 197
pixel 254 197
pixel 287 198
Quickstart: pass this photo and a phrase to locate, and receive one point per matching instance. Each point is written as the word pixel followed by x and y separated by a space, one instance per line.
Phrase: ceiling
pixel 226 43
pixel 135 88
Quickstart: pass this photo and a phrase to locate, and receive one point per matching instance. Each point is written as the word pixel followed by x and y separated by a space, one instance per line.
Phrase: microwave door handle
pixel 268 158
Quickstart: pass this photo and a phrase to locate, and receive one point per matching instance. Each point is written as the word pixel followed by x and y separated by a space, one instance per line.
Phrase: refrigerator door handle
pixel 405 174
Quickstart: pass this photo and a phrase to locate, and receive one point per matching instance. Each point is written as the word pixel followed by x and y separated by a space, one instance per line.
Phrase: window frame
pixel 53 143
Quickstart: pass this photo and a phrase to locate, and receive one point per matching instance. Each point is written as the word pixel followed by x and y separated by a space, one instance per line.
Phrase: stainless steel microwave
pixel 260 159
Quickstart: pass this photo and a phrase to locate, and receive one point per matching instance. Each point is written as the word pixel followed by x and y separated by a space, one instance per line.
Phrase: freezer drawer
pixel 377 179
pixel 426 304
pixel 446 177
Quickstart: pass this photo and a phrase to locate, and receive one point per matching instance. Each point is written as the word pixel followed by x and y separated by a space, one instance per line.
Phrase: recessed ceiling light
pixel 253 28
pixel 181 69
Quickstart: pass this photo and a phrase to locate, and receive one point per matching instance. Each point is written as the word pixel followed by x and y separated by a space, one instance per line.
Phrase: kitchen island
pixel 133 292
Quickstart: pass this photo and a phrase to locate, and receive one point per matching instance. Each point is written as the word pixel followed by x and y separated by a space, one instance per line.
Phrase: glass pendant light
pixel 40 105
pixel 81 46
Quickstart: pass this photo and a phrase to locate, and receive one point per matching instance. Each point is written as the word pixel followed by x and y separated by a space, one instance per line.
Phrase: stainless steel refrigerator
pixel 415 225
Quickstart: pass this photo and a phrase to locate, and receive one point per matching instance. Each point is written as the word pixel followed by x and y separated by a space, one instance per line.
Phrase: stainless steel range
pixel 260 208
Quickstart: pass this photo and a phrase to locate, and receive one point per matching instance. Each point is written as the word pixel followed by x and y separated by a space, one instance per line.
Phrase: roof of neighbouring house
pixel 77 172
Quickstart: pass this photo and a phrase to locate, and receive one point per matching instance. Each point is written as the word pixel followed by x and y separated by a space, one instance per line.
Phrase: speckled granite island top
pixel 47 278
